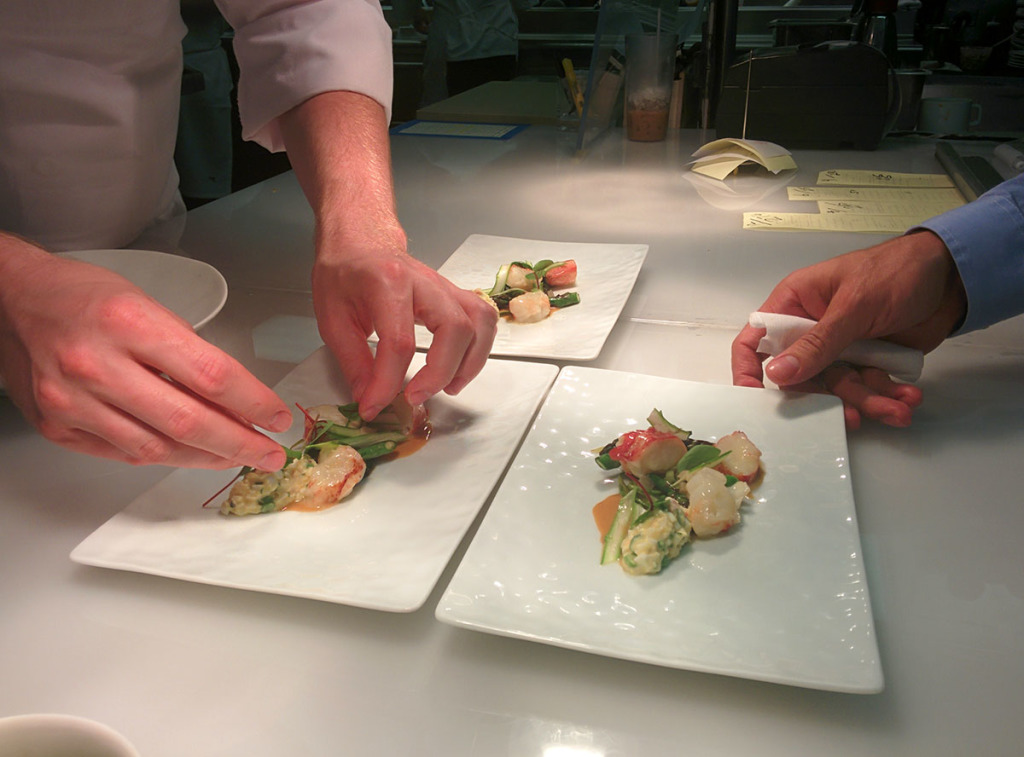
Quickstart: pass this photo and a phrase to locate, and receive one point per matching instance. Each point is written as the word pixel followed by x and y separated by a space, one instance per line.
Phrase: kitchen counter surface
pixel 186 669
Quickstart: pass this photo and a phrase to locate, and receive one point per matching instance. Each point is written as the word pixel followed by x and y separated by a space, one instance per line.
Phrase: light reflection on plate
pixel 783 597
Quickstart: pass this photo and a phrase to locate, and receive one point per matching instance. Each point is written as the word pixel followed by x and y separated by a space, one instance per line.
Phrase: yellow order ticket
pixel 829 222
pixel 856 178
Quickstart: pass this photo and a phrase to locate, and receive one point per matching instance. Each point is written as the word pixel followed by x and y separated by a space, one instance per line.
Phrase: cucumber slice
pixel 624 517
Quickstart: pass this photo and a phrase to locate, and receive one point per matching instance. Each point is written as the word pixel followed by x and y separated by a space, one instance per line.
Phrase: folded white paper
pixel 720 158
pixel 904 363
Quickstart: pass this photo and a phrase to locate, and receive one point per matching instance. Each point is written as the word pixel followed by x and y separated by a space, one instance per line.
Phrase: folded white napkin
pixel 904 363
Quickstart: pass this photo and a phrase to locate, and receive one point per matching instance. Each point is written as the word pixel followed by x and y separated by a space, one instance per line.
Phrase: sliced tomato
pixel 562 275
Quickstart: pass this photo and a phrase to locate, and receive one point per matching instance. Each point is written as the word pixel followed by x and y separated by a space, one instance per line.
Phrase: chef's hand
pixel 365 290
pixel 363 279
pixel 101 368
pixel 906 290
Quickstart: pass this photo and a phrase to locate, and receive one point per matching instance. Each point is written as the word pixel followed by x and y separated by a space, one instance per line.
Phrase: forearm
pixel 18 258
pixel 338 145
pixel 986 240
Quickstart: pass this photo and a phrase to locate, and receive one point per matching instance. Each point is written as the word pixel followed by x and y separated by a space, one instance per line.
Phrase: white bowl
pixel 194 290
pixel 51 735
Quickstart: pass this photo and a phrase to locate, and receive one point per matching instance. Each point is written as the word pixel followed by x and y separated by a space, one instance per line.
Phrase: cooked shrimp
pixel 304 482
pixel 521 278
pixel 530 307
pixel 744 459
pixel 714 507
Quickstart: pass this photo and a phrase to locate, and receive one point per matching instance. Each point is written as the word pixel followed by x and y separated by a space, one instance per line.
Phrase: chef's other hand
pixel 101 368
pixel 906 290
pixel 387 292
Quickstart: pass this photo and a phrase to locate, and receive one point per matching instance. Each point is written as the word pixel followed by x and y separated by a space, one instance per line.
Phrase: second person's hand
pixel 906 290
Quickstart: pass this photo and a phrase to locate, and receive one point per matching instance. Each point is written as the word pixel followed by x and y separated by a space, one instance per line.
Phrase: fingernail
pixel 371 412
pixel 281 422
pixel 418 398
pixel 272 461
pixel 781 369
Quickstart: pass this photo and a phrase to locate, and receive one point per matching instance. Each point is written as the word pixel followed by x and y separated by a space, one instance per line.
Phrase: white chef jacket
pixel 89 95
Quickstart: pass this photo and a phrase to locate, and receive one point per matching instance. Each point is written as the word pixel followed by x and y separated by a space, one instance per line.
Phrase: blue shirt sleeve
pixel 986 239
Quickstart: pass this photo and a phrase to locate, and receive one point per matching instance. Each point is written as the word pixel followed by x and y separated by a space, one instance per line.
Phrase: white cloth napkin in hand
pixel 904 363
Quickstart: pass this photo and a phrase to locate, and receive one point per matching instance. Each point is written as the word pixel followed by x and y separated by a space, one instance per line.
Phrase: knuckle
pixel 815 341
pixel 52 400
pixel 403 345
pixel 185 422
pixel 391 270
pixel 152 451
pixel 214 374
pixel 461 327
pixel 80 364
pixel 121 312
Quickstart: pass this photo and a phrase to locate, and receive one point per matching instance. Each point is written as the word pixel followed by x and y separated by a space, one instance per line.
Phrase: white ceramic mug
pixel 60 736
pixel 948 115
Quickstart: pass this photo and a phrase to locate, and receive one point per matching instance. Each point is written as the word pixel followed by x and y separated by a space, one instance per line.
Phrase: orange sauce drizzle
pixel 410 446
pixel 604 513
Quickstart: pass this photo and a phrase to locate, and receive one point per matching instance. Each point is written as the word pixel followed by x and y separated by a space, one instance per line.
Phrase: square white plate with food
pixel 781 597
pixel 383 547
pixel 605 277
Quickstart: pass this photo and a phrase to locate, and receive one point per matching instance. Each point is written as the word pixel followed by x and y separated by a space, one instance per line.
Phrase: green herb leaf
pixel 700 456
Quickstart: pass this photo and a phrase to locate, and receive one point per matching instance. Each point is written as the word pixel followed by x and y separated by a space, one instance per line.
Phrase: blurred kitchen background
pixel 970 48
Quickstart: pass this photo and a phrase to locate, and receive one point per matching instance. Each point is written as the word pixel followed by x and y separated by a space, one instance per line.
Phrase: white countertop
pixel 186 669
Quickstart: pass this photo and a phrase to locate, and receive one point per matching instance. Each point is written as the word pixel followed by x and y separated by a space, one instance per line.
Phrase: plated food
pixel 607 274
pixel 530 292
pixel 671 487
pixel 783 597
pixel 336 451
pixel 384 547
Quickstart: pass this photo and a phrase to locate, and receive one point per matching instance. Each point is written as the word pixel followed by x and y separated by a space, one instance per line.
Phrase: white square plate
pixel 782 597
pixel 605 278
pixel 384 547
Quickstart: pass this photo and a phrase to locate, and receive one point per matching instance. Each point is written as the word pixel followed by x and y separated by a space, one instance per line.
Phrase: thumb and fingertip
pixel 807 356
pixel 794 367
pixel 781 370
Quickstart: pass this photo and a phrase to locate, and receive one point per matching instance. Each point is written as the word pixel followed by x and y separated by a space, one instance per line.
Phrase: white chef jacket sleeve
pixel 290 50
pixel 986 239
